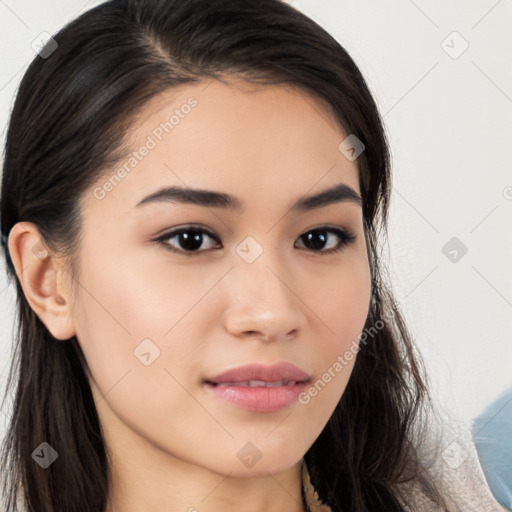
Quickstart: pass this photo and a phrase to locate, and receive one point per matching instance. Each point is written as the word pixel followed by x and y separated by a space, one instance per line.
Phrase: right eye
pixel 190 239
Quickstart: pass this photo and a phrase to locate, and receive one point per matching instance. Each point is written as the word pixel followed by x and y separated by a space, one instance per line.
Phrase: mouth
pixel 258 396
pixel 256 383
pixel 259 387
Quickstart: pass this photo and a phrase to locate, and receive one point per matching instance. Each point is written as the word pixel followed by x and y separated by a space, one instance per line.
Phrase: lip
pixel 232 386
pixel 268 373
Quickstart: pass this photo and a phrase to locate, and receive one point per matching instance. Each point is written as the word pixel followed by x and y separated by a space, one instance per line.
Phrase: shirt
pixel 463 485
pixel 311 499
pixel 492 432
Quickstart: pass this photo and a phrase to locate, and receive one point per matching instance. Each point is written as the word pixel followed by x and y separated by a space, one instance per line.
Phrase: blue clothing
pixel 492 434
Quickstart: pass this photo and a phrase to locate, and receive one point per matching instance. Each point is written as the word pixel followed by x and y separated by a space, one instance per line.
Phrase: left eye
pixel 319 236
pixel 321 240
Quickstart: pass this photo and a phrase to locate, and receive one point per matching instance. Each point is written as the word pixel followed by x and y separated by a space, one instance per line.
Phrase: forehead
pixel 244 139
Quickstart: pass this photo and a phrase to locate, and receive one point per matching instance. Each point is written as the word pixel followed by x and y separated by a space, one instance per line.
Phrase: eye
pixel 319 238
pixel 189 239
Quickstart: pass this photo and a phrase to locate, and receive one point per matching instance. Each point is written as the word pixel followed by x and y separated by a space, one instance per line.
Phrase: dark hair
pixel 72 112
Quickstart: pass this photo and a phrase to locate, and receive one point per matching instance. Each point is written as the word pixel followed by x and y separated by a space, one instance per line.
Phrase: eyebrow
pixel 211 199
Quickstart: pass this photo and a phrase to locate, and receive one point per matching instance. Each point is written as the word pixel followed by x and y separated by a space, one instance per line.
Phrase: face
pixel 171 293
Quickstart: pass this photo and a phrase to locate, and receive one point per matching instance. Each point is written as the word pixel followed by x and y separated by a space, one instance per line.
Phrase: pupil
pixel 316 241
pixel 193 242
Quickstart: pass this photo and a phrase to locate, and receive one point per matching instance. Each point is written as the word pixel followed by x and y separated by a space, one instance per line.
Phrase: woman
pixel 191 202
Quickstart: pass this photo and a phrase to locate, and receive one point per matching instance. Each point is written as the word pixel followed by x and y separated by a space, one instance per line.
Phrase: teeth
pixel 258 383
pixel 275 383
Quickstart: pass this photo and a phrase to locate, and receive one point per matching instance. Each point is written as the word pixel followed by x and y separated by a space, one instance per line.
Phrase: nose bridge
pixel 261 270
pixel 261 299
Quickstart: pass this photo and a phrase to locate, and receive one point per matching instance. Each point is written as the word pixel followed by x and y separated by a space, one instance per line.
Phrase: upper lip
pixel 266 373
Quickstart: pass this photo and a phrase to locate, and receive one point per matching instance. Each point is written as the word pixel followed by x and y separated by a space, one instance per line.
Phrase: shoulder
pixel 450 459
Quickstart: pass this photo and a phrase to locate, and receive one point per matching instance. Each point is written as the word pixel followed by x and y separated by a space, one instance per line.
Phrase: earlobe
pixel 37 271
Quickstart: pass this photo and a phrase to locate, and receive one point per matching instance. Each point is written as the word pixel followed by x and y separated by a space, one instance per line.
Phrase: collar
pixel 310 496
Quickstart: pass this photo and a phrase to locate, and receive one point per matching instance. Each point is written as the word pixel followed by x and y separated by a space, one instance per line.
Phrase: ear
pixel 39 274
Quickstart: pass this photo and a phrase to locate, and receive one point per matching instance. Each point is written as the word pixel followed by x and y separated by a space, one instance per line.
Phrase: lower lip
pixel 259 399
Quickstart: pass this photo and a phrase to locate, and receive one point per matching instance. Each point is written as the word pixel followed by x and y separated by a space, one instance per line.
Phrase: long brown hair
pixel 71 112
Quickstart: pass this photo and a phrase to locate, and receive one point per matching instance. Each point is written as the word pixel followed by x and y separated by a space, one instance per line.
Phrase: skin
pixel 174 446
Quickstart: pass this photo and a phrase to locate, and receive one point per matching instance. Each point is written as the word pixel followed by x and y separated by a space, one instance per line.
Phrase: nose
pixel 263 303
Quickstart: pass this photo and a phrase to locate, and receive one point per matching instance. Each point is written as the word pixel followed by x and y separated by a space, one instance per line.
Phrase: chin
pixel 250 461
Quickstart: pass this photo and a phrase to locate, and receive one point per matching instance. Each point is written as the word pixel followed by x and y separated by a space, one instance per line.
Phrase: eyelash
pixel 346 237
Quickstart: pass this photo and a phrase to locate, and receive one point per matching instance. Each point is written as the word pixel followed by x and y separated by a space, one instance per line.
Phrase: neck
pixel 179 486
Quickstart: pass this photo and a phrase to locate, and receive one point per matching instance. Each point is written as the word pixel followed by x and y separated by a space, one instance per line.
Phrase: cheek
pixel 141 339
pixel 128 315
pixel 340 298
pixel 349 314
pixel 340 303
